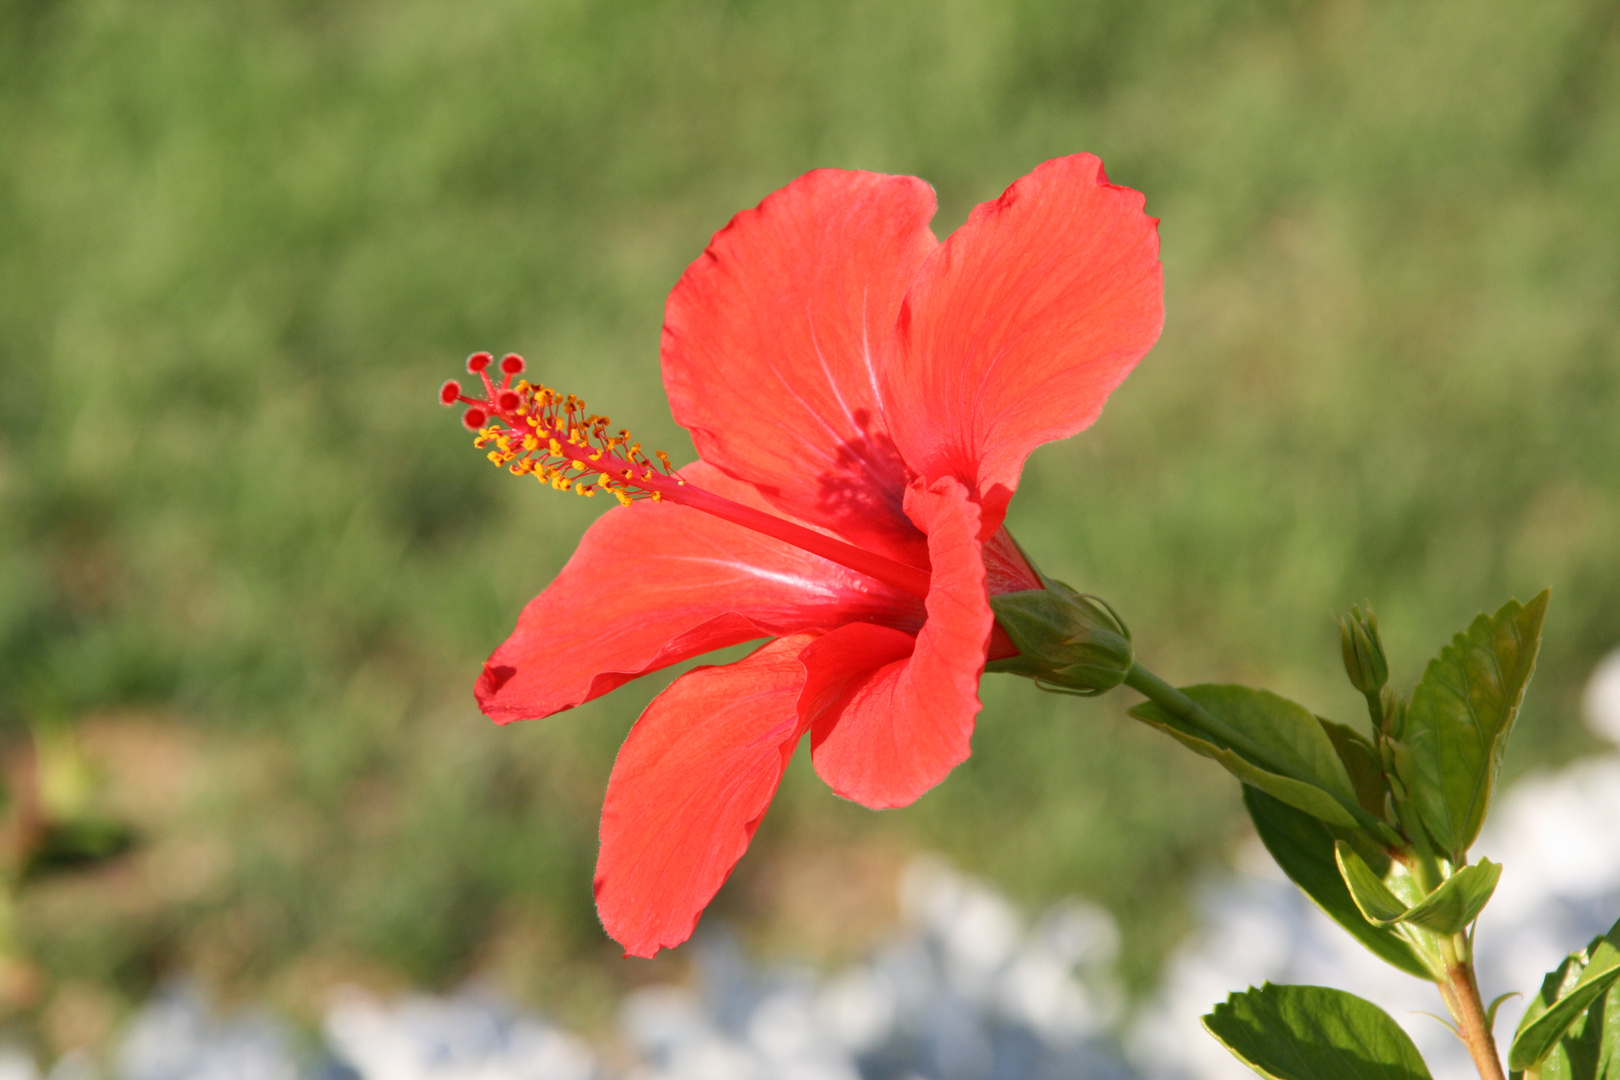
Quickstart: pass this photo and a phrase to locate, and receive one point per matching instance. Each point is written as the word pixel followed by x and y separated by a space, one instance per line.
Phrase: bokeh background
pixel 249 569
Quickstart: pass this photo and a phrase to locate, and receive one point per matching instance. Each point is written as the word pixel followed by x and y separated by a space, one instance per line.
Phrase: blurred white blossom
pixel 175 1037
pixel 467 1037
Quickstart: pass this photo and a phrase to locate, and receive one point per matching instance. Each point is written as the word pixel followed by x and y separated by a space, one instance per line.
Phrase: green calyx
pixel 1066 640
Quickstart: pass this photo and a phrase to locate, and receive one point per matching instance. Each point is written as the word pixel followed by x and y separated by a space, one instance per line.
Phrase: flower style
pixel 862 397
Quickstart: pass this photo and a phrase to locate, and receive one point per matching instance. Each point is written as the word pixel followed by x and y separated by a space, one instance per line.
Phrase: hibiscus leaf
pixel 1457 901
pixel 1361 761
pixel 1567 997
pixel 1304 769
pixel 1590 1048
pixel 1303 847
pixel 1314 1033
pixel 1456 727
pixel 1454 903
pixel 1377 902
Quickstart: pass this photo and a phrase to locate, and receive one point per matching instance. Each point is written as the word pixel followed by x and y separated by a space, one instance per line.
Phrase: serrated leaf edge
pixel 1268 985
pixel 1479 803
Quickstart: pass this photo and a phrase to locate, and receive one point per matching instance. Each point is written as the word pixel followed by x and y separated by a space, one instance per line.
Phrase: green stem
pixel 1375 708
pixel 1175 702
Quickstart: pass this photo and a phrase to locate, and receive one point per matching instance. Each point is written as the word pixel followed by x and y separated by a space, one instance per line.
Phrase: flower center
pixel 533 430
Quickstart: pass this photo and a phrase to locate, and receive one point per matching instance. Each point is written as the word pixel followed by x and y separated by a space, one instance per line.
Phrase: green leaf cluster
pixel 1304 846
pixel 1376 831
pixel 1571 1028
pixel 1387 820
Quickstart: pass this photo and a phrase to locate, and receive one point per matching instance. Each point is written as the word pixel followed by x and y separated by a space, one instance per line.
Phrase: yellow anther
pixel 658 496
pixel 558 442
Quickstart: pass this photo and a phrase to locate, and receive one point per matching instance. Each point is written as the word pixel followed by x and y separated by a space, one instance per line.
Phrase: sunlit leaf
pixel 1314 1033
pixel 1566 996
pixel 1457 725
pixel 1455 902
pixel 1380 906
pixel 1590 1049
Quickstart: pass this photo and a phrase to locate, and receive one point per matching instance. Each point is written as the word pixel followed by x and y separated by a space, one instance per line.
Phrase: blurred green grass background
pixel 255 567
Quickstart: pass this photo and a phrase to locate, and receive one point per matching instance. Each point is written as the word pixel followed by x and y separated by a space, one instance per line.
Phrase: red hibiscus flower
pixel 863 398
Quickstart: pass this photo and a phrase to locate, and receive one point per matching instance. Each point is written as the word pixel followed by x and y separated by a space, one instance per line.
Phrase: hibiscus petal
pixel 891 714
pixel 653 584
pixel 688 789
pixel 773 340
pixel 1020 325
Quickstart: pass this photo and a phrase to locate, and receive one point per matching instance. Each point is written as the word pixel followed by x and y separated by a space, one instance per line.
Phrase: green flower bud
pixel 1066 640
pixel 1363 652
